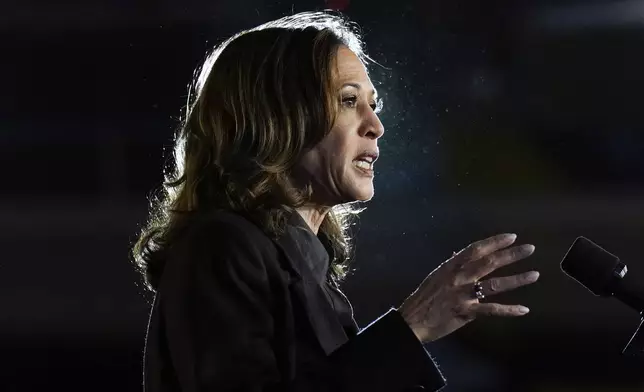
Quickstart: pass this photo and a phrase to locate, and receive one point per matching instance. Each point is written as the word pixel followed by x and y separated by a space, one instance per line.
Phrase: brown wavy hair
pixel 258 102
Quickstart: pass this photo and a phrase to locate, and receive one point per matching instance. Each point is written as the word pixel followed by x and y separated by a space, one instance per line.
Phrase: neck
pixel 313 216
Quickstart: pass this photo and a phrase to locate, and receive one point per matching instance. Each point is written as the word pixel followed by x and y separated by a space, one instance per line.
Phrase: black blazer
pixel 237 311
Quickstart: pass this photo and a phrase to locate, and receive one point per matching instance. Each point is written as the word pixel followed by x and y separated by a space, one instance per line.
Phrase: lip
pixel 364 172
pixel 373 154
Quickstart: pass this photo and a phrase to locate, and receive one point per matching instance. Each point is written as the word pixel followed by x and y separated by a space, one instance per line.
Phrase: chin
pixel 356 195
pixel 356 191
pixel 363 194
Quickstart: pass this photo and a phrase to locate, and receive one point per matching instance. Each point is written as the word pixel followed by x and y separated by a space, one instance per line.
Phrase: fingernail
pixel 511 236
pixel 532 276
pixel 529 248
pixel 523 309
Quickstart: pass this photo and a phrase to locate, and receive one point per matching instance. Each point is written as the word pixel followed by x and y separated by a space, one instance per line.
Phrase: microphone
pixel 603 273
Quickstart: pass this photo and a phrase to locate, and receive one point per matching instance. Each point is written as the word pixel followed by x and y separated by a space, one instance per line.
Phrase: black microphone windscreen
pixel 591 265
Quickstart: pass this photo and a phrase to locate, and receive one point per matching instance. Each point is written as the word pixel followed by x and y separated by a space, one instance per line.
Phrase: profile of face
pixel 341 165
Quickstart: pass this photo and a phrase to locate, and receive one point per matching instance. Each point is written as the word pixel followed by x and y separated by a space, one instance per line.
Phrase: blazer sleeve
pixel 387 356
pixel 216 304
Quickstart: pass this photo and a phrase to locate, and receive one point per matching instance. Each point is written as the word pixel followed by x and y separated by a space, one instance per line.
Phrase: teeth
pixel 363 164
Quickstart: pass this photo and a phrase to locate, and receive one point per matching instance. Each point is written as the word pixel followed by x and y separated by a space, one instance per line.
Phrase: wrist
pixel 418 332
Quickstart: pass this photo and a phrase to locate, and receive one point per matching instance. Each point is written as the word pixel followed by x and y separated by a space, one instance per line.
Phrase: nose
pixel 373 127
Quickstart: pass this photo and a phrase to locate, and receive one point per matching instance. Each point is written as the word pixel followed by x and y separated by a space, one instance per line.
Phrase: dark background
pixel 501 116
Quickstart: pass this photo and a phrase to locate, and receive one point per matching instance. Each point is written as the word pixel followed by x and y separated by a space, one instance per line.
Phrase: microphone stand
pixel 635 346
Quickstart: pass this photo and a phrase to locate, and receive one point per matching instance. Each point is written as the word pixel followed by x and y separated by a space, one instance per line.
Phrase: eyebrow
pixel 357 86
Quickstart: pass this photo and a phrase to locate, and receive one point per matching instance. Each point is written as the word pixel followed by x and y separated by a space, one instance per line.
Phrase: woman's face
pixel 341 165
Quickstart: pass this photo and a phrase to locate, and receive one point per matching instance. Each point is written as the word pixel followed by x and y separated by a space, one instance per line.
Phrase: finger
pixel 492 309
pixel 477 269
pixel 482 248
pixel 507 283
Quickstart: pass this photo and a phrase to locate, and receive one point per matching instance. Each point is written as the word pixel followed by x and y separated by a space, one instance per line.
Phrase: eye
pixel 350 101
pixel 377 106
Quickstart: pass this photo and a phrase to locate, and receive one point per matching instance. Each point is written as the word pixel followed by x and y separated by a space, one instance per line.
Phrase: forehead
pixel 349 69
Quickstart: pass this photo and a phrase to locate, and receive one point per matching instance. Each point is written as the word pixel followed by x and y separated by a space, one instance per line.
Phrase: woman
pixel 247 245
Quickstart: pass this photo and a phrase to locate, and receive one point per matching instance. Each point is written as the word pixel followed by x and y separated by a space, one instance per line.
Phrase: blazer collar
pixel 314 253
pixel 308 288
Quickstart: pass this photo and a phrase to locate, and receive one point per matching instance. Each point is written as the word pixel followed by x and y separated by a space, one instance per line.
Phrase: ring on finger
pixel 478 291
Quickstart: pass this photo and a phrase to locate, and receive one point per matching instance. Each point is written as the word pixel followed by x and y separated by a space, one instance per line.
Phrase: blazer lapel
pixel 321 315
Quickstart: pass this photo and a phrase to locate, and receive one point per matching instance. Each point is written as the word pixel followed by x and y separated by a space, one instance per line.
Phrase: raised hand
pixel 449 297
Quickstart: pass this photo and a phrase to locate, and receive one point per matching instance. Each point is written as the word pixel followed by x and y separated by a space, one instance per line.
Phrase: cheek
pixel 331 153
pixel 339 161
pixel 340 146
pixel 330 159
pixel 322 160
pixel 308 165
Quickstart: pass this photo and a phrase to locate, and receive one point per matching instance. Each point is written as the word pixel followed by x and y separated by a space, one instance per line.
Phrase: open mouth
pixel 363 164
pixel 365 161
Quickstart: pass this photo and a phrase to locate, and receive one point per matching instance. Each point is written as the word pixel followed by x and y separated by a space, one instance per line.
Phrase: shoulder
pixel 224 229
pixel 223 240
pixel 219 257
